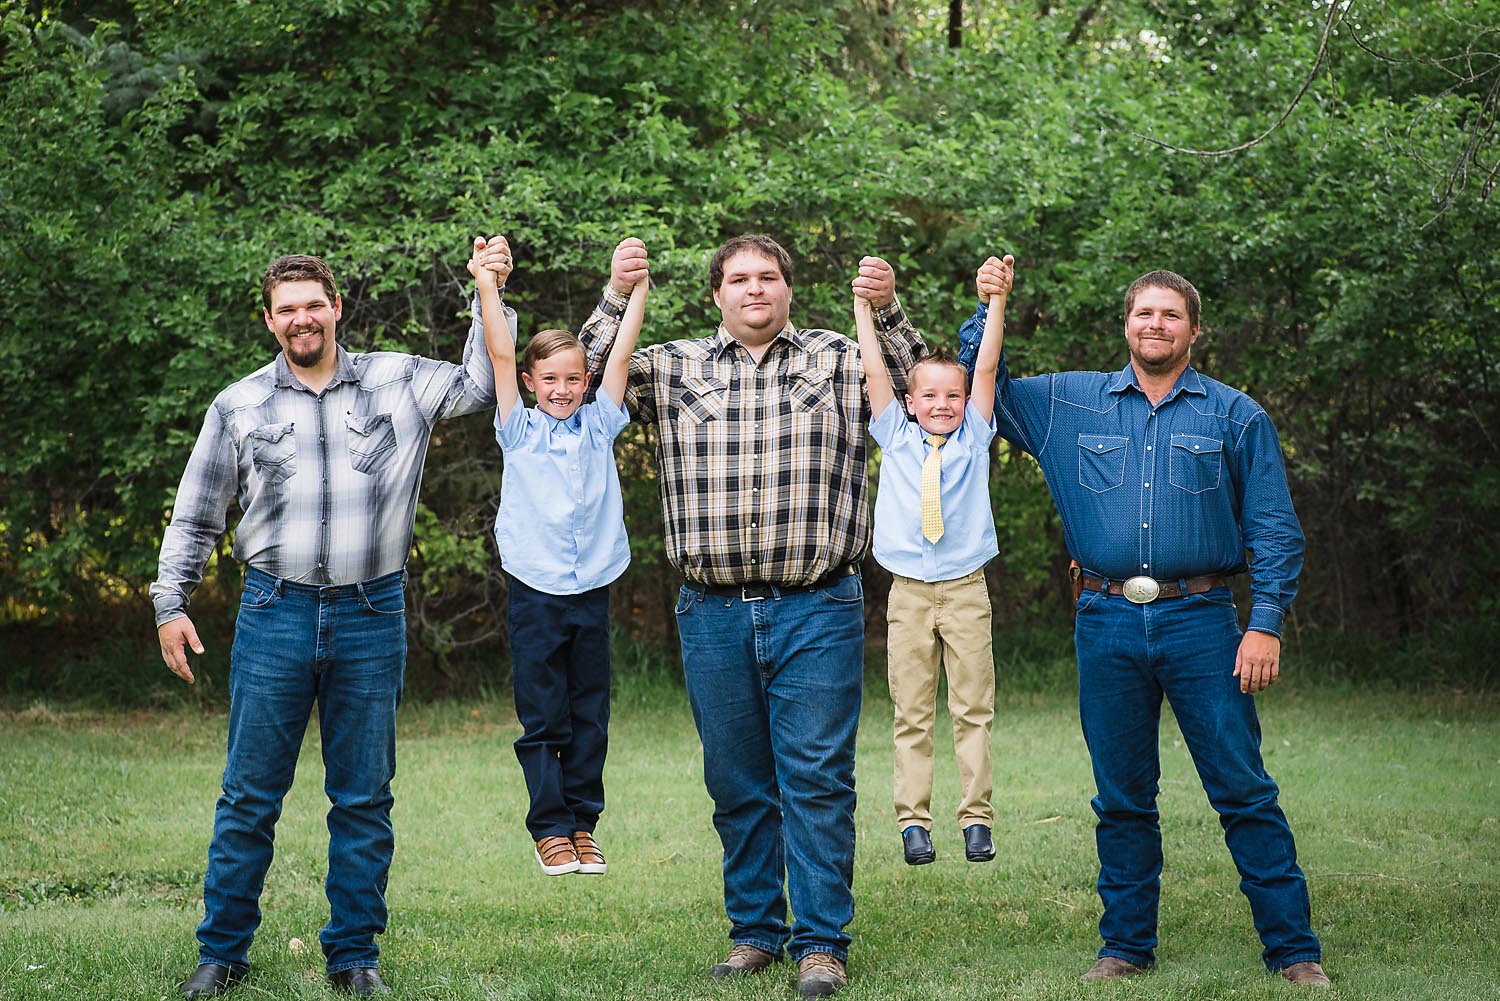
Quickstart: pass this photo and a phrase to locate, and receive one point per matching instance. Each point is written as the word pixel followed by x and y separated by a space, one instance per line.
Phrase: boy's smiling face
pixel 559 382
pixel 937 394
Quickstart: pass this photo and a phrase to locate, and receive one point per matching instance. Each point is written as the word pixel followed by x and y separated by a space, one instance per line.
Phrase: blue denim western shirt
pixel 1178 490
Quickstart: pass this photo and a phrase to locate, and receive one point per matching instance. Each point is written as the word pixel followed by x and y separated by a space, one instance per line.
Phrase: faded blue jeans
pixel 775 687
pixel 344 649
pixel 1129 656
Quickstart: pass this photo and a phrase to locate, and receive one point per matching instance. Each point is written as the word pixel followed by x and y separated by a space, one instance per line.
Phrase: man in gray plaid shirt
pixel 322 449
pixel 761 467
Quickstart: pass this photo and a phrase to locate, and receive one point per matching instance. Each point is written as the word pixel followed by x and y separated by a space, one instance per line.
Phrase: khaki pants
pixel 942 625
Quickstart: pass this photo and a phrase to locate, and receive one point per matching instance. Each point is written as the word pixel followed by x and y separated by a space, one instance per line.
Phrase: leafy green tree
pixel 155 155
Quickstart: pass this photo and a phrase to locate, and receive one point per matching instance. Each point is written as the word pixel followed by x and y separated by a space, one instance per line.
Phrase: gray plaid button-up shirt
pixel 761 466
pixel 327 482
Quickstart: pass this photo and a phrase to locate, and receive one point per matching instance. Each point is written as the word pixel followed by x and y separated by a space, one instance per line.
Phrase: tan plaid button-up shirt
pixel 761 467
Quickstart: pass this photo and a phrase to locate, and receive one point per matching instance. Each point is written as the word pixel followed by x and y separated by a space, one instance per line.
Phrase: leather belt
pixel 759 590
pixel 1143 590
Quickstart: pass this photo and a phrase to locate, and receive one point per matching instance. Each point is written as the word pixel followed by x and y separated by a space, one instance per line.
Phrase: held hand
pixel 629 265
pixel 876 282
pixel 174 636
pixel 1257 663
pixel 491 255
pixel 483 277
pixel 995 277
pixel 862 309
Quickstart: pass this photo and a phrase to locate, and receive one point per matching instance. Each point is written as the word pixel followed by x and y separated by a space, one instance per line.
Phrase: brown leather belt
pixel 1137 589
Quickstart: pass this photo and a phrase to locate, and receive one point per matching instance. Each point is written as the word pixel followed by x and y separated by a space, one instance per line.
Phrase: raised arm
pixel 617 366
pixel 877 379
pixel 900 344
pixel 987 363
pixel 628 268
pixel 490 265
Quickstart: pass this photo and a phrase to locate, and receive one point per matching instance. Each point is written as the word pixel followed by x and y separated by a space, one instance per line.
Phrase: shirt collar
pixel 572 424
pixel 724 340
pixel 344 371
pixel 1188 382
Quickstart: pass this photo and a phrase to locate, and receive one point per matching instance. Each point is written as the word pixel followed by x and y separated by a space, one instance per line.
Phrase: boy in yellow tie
pixel 934 531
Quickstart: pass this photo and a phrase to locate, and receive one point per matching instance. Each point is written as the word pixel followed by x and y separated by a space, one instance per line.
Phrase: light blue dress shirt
pixel 968 540
pixel 1182 489
pixel 561 524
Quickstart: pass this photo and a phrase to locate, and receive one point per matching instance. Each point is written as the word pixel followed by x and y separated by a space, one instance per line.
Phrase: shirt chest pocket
pixel 273 451
pixel 1196 463
pixel 372 442
pixel 702 400
pixel 1101 461
pixel 810 391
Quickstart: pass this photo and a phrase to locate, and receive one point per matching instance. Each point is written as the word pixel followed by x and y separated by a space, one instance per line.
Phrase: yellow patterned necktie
pixel 932 479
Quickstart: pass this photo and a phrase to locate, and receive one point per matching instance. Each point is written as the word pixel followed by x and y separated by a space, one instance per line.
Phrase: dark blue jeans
pixel 775 687
pixel 559 650
pixel 344 649
pixel 1129 656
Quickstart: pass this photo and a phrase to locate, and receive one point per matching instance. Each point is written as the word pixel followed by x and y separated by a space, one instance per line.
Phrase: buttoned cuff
pixel 1266 619
pixel 613 303
pixel 165 615
pixel 890 315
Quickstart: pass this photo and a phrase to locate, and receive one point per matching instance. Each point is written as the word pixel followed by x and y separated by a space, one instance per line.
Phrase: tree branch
pixel 1336 13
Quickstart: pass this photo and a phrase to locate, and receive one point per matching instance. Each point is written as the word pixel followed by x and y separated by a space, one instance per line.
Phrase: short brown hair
pixel 297 268
pixel 938 356
pixel 548 343
pixel 1171 281
pixel 762 245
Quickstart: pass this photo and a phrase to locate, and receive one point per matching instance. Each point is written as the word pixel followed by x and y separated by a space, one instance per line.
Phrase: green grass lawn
pixel 1395 800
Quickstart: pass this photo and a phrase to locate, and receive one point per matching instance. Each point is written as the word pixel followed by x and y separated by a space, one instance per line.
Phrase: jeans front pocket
pixel 849 590
pixel 256 596
pixel 1101 461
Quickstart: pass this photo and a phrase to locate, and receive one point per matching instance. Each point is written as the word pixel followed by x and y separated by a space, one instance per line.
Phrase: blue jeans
pixel 559 653
pixel 775 687
pixel 1128 657
pixel 343 648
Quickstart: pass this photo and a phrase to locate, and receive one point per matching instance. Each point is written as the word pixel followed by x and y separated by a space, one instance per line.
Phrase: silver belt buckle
pixel 1140 590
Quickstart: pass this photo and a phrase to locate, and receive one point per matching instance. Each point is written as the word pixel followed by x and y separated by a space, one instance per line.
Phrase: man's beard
pixel 304 354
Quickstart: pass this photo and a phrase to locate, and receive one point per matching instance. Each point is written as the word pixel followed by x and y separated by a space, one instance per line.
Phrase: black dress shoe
pixel 210 980
pixel 362 982
pixel 916 844
pixel 978 846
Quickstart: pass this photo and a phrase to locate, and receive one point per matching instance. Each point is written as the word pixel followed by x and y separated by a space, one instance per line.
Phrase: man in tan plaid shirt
pixel 761 466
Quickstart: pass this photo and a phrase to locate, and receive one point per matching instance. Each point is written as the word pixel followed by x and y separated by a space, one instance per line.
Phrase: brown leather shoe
pixel 1112 968
pixel 819 975
pixel 742 961
pixel 590 858
pixel 1307 974
pixel 556 855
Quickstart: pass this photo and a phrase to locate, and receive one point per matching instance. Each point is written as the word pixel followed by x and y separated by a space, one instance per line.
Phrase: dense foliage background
pixel 156 154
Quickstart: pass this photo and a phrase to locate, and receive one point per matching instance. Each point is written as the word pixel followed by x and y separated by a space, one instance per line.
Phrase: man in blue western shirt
pixel 1164 479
